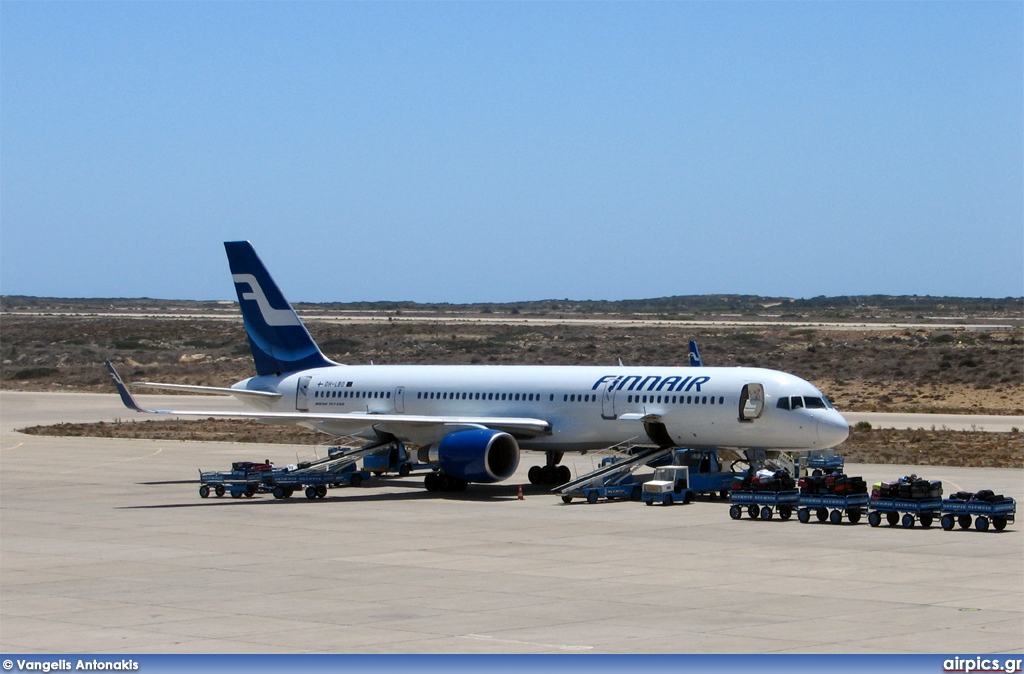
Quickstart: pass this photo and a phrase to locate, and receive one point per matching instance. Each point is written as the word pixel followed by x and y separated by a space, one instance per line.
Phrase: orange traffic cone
pixel 520 492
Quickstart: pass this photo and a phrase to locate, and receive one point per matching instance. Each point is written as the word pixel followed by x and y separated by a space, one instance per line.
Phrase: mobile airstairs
pixel 613 479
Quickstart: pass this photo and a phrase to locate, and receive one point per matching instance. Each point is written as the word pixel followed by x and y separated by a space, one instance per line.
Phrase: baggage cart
pixel 831 507
pixel 999 513
pixel 925 511
pixel 759 504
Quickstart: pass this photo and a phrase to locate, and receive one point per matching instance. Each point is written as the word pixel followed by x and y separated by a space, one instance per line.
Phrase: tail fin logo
pixel 271 316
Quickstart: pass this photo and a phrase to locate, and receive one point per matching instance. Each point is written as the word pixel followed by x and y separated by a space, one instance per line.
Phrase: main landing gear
pixel 442 482
pixel 552 473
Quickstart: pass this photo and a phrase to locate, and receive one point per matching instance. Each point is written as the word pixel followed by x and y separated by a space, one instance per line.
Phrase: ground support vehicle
pixel 925 511
pixel 999 513
pixel 831 507
pixel 759 504
pixel 821 463
pixel 671 484
pixel 315 483
pixel 706 474
pixel 238 483
pixel 612 480
pixel 395 459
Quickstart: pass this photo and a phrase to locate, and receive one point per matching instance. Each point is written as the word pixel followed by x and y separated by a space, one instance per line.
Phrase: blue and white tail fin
pixel 695 360
pixel 280 342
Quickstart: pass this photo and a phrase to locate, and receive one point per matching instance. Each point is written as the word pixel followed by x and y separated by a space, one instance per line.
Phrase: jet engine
pixel 475 455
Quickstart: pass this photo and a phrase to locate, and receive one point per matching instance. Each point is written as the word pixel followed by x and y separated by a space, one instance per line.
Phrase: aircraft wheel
pixel 874 518
pixel 432 482
pixel 947 522
pixel 535 475
pixel 999 522
pixel 592 497
pixel 735 512
pixel 804 515
pixel 311 493
pixel 981 524
pixel 204 492
pixel 766 513
pixel 404 470
pixel 964 521
pixel 908 521
pixel 219 489
pixel 564 474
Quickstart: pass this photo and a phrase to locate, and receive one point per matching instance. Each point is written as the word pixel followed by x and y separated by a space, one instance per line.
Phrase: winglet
pixel 126 396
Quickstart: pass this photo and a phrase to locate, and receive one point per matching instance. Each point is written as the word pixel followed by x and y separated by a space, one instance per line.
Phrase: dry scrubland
pixel 949 370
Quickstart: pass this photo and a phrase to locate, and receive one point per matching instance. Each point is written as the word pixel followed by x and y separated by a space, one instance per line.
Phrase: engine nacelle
pixel 476 455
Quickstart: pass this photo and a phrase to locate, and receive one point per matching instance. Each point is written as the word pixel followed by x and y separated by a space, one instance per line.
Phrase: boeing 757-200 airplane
pixel 471 421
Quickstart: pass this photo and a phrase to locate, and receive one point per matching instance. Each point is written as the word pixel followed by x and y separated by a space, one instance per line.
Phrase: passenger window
pixel 712 400
pixel 705 402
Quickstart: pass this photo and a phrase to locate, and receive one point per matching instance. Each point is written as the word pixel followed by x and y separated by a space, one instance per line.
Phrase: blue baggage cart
pixel 831 507
pixel 999 513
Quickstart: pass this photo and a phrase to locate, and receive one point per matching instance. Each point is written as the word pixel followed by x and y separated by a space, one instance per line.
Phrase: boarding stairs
pixel 613 473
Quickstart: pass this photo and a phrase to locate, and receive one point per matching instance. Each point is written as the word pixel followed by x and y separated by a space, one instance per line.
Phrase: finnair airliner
pixel 471 421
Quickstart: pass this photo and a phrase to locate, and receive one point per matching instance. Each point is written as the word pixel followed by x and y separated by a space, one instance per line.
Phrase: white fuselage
pixel 587 407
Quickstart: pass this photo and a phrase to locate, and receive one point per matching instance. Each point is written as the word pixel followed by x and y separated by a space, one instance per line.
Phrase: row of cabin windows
pixel 682 400
pixel 352 394
pixel 444 395
pixel 568 397
pixel 810 402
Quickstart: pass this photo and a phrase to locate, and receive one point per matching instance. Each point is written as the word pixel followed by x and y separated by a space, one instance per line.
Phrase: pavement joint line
pixel 561 647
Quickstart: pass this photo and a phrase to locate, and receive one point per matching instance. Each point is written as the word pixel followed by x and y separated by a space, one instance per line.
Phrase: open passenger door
pixel 751 402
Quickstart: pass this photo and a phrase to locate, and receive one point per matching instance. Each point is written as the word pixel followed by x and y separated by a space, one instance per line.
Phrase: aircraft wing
pixel 212 390
pixel 344 424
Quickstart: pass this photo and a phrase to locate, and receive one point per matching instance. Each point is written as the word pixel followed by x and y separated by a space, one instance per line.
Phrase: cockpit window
pixel 828 403
pixel 783 404
pixel 797 402
pixel 814 403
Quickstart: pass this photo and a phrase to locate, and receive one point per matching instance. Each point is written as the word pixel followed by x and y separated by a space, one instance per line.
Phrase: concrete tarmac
pixel 105 546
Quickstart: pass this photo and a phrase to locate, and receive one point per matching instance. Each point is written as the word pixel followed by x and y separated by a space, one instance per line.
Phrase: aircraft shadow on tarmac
pixel 416 492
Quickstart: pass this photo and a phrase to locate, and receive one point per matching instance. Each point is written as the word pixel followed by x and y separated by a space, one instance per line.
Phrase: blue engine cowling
pixel 477 455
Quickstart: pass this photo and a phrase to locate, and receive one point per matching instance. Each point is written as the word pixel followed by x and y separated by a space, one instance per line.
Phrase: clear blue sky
pixel 513 151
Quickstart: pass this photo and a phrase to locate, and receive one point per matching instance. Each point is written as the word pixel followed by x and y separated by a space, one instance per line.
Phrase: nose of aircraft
pixel 833 428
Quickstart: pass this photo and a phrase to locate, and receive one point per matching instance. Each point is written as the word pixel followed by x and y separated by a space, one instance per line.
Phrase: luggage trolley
pixel 854 506
pixel 999 513
pixel 925 511
pixel 760 503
